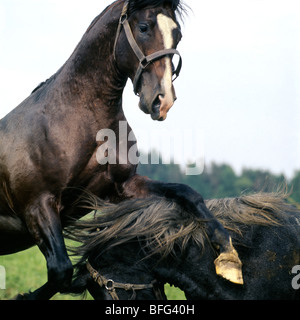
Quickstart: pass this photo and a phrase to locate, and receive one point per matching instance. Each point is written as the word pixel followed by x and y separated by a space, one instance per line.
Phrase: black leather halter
pixel 144 60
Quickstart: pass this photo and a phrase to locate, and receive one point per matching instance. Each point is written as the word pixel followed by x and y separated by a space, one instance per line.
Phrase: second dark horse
pixel 48 145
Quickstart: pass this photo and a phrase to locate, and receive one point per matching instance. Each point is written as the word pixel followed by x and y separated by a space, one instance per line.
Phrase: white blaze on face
pixel 166 26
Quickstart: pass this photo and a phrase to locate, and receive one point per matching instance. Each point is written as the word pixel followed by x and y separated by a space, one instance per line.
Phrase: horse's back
pixel 267 266
pixel 265 231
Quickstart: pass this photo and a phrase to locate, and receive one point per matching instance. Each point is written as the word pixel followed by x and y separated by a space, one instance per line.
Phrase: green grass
pixel 27 270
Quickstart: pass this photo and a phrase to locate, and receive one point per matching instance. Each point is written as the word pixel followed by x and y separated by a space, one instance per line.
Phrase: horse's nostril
pixel 156 105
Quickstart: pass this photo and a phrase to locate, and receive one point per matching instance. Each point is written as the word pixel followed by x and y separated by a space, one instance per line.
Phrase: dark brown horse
pixel 49 152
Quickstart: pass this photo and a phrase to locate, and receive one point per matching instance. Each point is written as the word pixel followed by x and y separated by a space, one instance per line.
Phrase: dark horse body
pixel 48 143
pixel 264 229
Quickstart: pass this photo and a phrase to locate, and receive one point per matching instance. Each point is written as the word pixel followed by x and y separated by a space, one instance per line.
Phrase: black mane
pixel 163 224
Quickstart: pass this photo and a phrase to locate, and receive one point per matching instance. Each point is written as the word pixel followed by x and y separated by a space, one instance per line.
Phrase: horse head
pixel 145 44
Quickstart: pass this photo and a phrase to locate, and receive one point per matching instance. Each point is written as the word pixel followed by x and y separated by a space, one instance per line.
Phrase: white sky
pixel 239 86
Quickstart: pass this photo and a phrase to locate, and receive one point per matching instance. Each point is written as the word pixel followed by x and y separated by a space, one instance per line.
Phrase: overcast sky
pixel 238 92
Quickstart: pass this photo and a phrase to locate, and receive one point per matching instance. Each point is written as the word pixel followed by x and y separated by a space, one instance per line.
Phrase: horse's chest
pixel 102 172
pixel 116 153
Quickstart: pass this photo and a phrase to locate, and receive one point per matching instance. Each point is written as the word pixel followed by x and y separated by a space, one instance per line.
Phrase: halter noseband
pixel 144 60
pixel 111 285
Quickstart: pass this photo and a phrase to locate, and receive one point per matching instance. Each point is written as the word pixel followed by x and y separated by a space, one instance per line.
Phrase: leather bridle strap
pixel 144 61
pixel 111 285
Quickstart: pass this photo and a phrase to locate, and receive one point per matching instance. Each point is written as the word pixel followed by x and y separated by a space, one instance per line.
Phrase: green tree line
pixel 220 180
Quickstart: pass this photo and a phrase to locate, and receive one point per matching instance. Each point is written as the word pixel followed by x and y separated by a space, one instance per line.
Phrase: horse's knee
pixel 44 223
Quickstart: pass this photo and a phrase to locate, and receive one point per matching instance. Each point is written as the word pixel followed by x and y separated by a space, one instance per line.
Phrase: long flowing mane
pixel 261 208
pixel 162 224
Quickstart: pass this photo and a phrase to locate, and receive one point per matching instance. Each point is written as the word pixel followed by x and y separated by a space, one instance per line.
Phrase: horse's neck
pixel 90 78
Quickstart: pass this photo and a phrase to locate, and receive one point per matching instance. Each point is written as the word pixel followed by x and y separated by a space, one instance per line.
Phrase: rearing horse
pixel 48 143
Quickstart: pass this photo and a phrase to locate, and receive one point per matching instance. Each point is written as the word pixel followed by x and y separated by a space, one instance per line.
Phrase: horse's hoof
pixel 229 266
pixel 21 296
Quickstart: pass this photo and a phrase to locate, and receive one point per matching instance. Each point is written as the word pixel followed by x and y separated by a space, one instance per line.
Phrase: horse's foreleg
pixel 46 292
pixel 43 222
pixel 227 264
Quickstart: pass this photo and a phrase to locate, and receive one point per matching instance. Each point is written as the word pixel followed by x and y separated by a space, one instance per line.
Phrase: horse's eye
pixel 143 27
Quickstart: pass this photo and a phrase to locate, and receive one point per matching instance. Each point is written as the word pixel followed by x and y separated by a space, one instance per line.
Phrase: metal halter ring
pixel 112 287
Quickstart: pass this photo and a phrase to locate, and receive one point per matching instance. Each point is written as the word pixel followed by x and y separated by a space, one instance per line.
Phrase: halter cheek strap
pixel 123 15
pixel 144 61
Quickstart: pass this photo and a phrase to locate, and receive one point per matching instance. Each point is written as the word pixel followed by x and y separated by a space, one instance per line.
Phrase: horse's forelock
pixel 135 5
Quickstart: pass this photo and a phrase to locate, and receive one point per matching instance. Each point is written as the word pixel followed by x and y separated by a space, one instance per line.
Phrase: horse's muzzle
pixel 161 106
